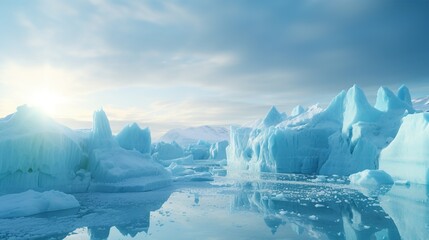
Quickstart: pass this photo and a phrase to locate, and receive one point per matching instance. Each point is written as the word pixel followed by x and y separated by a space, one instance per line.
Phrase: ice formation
pixel 115 169
pixel 342 139
pixel 371 178
pixel 218 150
pixel 133 137
pixel 182 173
pixel 32 202
pixel 38 153
pixel 167 151
pixel 200 150
pixel 407 157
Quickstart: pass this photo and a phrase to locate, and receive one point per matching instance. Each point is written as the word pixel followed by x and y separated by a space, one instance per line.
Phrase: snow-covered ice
pixel 31 202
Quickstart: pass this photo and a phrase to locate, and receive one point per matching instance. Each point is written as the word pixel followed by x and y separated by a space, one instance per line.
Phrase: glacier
pixel 348 136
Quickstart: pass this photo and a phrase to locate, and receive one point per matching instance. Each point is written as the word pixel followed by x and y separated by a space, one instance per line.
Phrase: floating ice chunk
pixel 371 178
pixel 313 217
pixel 402 182
pixel 182 173
pixel 32 202
pixel 188 160
pixel 133 137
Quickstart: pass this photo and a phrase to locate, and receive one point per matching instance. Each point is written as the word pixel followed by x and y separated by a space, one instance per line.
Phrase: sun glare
pixel 46 100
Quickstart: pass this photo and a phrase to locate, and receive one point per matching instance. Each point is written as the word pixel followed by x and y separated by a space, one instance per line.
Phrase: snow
pixel 407 157
pixel 32 202
pixel 191 135
pixel 371 177
pixel 133 137
pixel 342 139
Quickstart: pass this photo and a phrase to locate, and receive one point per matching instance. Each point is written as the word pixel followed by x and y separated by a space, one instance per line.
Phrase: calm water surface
pixel 274 206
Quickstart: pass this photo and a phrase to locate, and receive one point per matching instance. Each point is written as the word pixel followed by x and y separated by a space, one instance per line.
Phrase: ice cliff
pixel 345 138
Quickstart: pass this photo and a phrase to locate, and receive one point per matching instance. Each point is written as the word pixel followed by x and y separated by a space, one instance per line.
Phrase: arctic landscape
pixel 347 171
pixel 215 119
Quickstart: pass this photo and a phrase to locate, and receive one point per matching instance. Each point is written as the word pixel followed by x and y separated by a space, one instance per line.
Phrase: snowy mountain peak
pixel 191 135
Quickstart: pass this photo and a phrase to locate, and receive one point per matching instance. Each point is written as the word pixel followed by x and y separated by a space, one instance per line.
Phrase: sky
pixel 169 64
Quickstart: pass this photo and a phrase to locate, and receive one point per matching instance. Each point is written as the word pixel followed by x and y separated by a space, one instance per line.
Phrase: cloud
pixel 199 62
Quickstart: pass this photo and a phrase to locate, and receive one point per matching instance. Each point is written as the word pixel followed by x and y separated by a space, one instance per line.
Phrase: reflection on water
pixel 322 211
pixel 271 207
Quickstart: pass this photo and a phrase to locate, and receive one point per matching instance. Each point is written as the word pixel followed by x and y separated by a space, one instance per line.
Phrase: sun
pixel 46 100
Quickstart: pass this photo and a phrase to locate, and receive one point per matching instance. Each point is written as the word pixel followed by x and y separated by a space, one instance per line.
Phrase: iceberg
pixel 371 178
pixel 167 151
pixel 38 153
pixel 31 202
pixel 133 137
pixel 115 169
pixel 200 150
pixel 342 139
pixel 407 156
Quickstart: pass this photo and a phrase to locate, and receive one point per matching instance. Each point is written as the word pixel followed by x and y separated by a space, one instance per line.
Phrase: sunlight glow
pixel 46 100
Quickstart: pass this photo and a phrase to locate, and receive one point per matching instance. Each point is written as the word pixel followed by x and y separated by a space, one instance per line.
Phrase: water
pixel 274 206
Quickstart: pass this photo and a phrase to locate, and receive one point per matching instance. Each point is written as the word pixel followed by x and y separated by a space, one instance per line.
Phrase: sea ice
pixel 32 202
pixel 370 178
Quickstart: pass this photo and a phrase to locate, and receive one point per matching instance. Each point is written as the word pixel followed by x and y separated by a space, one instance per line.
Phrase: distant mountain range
pixel 191 135
pixel 211 134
